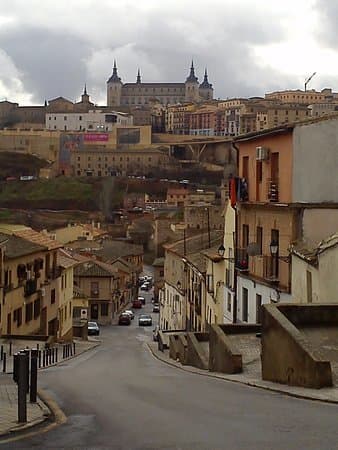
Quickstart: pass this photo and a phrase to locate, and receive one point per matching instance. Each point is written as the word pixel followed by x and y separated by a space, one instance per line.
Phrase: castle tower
pixel 206 90
pixel 138 78
pixel 192 86
pixel 114 88
pixel 85 96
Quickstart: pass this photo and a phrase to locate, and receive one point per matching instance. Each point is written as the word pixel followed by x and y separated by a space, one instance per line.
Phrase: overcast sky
pixel 52 48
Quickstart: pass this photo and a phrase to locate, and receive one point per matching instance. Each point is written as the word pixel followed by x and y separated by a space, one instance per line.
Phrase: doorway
pixel 94 311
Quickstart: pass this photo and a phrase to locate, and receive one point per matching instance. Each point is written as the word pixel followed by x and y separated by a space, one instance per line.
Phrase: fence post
pixel 43 358
pixel 4 363
pixel 63 352
pixel 74 348
pixel 26 354
pixel 34 375
pixel 39 353
pixel 1 352
pixel 22 388
pixel 10 348
pixel 56 354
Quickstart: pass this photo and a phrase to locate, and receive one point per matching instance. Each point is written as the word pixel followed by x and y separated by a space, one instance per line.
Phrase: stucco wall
pixel 315 162
pixel 315 228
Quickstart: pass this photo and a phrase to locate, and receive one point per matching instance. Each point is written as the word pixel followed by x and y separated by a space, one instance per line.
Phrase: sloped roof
pixel 115 249
pixel 93 268
pixel 38 238
pixel 311 253
pixel 65 259
pixel 16 246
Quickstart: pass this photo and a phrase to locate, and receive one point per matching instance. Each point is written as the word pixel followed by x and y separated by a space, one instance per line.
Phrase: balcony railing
pixel 241 260
pixel 273 190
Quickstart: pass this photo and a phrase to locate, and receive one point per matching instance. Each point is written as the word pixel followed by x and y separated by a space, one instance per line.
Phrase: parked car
pixel 137 304
pixel 155 333
pixel 145 286
pixel 142 300
pixel 130 312
pixel 145 320
pixel 156 308
pixel 93 329
pixel 124 319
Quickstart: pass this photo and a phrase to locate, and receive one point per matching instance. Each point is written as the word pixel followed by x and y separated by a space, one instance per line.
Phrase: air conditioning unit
pixel 84 314
pixel 262 153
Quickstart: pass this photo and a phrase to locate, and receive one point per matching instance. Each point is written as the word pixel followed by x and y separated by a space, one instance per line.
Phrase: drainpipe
pixel 234 312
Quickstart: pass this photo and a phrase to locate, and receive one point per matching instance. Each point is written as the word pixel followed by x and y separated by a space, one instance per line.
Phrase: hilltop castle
pixel 139 93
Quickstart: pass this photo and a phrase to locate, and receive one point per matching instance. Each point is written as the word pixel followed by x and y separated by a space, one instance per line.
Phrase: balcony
pixel 30 287
pixel 241 260
pixel 273 190
pixel 272 269
pixel 94 293
pixel 54 273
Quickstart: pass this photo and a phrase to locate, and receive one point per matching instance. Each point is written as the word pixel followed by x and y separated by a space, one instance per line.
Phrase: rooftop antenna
pixel 308 80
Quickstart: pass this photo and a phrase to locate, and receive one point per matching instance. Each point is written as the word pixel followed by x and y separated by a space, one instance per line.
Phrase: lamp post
pixel 274 254
pixel 221 250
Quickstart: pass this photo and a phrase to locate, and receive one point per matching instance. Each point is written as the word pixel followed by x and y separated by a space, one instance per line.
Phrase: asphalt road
pixel 119 397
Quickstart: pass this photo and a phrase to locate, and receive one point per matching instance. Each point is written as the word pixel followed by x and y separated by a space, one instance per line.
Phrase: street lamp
pixel 221 250
pixel 178 285
pixel 273 247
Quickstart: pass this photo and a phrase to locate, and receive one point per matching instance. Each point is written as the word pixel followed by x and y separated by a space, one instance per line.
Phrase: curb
pixel 55 414
pixel 63 360
pixel 197 371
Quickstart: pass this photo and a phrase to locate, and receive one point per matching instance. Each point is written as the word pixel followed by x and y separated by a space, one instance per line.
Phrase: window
pixel 29 312
pixel 17 317
pixel 64 117
pixel 37 307
pixel 245 235
pixel 104 309
pixel 52 296
pixel 259 171
pixel 259 239
pixel 244 304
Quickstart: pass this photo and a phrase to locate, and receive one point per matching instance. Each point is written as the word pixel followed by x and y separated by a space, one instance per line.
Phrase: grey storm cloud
pixel 51 63
pixel 58 61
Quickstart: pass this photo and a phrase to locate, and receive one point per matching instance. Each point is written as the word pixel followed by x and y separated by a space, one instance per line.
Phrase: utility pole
pixel 308 80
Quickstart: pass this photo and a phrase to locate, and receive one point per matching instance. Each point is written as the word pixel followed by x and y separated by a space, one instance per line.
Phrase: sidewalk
pixel 329 395
pixel 36 412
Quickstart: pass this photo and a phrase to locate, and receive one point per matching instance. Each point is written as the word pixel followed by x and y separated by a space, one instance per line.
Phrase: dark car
pixel 145 320
pixel 124 319
pixel 93 329
pixel 137 304
pixel 156 308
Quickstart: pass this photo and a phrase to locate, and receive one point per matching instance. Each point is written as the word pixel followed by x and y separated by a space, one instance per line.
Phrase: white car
pixel 130 313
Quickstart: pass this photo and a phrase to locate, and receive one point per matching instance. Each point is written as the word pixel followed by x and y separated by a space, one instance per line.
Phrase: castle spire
pixel 206 84
pixel 192 77
pixel 85 89
pixel 114 77
pixel 138 78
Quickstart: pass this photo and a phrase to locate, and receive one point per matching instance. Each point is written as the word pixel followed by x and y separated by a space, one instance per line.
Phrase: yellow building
pixel 30 295
pixel 65 289
pixel 304 97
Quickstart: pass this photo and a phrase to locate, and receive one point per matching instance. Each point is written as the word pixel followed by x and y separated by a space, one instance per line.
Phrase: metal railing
pixel 273 190
pixel 242 259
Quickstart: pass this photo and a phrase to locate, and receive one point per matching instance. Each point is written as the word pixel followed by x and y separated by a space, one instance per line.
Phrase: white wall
pixel 269 295
pixel 91 121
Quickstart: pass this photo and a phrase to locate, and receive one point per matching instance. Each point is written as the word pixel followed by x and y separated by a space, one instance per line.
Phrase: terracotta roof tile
pixel 38 238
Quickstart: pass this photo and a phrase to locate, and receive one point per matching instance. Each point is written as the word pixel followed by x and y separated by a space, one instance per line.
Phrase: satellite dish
pixel 253 249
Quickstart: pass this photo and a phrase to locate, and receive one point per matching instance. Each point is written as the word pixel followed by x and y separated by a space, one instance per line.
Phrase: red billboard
pixel 98 137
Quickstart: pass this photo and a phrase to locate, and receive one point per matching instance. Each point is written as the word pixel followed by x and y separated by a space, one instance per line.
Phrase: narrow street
pixel 119 397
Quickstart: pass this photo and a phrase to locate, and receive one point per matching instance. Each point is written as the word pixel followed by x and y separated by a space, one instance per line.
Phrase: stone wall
pixel 288 357
pixel 197 357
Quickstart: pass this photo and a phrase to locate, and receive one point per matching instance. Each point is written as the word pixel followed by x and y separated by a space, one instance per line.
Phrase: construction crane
pixel 308 80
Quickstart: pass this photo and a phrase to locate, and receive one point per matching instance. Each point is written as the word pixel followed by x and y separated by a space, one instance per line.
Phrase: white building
pixel 314 272
pixel 90 121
